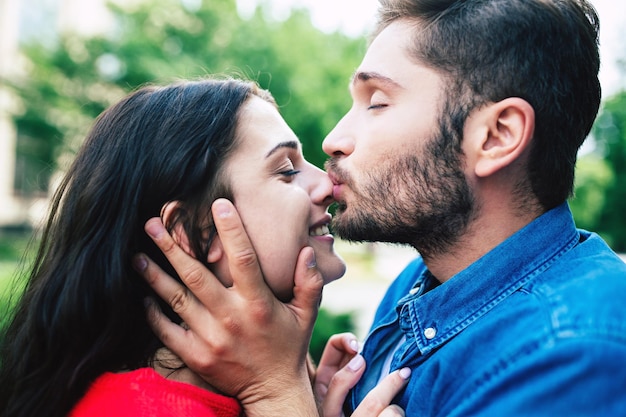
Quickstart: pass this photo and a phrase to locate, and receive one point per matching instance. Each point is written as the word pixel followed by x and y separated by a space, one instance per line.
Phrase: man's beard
pixel 421 200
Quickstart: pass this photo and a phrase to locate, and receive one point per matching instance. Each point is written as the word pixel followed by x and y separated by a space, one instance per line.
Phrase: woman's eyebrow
pixel 292 144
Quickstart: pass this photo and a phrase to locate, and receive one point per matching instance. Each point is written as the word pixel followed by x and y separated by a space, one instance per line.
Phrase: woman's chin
pixel 332 271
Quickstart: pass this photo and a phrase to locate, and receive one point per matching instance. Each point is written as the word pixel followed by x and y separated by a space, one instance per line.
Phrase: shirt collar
pixel 439 314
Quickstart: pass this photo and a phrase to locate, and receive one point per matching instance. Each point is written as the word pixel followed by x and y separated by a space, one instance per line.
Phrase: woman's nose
pixel 321 187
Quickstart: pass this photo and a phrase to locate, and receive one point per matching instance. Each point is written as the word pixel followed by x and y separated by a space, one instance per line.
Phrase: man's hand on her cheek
pixel 241 339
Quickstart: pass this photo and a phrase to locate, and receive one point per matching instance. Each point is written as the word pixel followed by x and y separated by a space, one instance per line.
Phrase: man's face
pixel 397 175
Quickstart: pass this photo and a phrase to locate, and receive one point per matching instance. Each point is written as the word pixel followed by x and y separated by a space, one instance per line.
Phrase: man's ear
pixel 498 134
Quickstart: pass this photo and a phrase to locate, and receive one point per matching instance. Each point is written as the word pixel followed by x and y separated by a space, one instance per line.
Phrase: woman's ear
pixel 168 213
pixel 216 250
pixel 218 262
pixel 498 134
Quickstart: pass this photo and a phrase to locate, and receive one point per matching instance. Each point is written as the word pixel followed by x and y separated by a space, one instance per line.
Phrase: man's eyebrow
pixel 292 144
pixel 366 76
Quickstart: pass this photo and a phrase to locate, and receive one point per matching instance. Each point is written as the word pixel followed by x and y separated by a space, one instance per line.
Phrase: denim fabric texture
pixel 536 327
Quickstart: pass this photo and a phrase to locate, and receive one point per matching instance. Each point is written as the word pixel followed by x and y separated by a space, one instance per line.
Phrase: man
pixel 461 141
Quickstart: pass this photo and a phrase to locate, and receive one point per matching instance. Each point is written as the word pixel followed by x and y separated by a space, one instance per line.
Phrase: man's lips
pixel 337 192
pixel 338 184
pixel 333 177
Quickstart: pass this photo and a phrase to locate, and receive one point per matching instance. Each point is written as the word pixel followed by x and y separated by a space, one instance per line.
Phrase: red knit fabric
pixel 144 393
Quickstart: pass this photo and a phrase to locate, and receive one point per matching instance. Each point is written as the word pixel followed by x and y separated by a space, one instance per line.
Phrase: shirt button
pixel 415 290
pixel 430 333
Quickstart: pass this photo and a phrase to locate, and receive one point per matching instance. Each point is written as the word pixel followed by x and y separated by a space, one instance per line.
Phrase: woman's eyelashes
pixel 288 170
pixel 290 173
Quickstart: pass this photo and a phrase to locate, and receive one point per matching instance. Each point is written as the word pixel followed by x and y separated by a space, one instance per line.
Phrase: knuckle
pixel 246 257
pixel 179 300
pixel 232 326
pixel 166 244
pixel 194 278
pixel 260 313
pixel 338 381
pixel 203 362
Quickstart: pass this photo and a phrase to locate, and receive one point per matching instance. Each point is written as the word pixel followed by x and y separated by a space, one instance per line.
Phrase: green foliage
pixel 592 178
pixel 328 324
pixel 600 202
pixel 69 83
pixel 610 132
pixel 16 252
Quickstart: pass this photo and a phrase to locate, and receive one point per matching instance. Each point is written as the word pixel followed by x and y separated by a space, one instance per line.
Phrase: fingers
pixel 338 346
pixel 242 259
pixel 339 370
pixel 339 349
pixel 182 301
pixel 392 411
pixel 193 273
pixel 308 285
pixel 170 290
pixel 171 334
pixel 379 398
pixel 340 384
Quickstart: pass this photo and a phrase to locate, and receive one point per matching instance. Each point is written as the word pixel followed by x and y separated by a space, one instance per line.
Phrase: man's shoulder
pixel 582 293
pixel 591 269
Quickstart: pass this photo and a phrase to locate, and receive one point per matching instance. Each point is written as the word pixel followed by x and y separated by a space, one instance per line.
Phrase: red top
pixel 144 393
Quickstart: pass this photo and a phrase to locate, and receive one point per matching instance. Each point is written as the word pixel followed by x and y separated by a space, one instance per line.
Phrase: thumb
pixel 308 285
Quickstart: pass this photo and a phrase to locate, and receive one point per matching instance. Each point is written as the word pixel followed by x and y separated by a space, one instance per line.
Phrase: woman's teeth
pixel 320 231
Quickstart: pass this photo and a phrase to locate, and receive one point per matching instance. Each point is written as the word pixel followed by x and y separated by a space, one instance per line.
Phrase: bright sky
pixel 354 17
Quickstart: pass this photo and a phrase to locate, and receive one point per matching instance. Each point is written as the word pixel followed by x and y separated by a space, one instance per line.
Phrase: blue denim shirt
pixel 536 327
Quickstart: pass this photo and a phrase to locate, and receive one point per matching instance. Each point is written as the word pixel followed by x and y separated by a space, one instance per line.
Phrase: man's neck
pixel 487 230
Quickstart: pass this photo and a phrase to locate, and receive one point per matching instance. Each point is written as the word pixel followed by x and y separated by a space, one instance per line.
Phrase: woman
pixel 168 151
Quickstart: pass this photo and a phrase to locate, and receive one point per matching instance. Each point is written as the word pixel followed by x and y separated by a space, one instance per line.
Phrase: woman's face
pixel 282 199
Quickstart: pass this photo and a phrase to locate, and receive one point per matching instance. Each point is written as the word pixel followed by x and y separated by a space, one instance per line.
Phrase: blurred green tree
pixel 327 324
pixel 600 197
pixel 71 80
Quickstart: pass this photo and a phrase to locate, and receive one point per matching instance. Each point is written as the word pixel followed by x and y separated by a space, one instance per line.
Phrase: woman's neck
pixel 171 367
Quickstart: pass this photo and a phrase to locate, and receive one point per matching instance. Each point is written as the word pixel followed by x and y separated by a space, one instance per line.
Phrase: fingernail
pixel 356 363
pixel 221 208
pixel 354 345
pixel 405 373
pixel 140 263
pixel 310 260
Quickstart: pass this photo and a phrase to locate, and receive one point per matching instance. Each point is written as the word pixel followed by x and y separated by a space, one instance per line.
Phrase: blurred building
pixel 27 20
pixel 12 210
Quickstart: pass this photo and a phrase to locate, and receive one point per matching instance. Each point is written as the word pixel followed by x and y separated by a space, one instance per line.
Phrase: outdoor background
pixel 63 61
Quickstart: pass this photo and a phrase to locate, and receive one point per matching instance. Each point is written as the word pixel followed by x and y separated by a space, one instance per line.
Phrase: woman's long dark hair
pixel 82 310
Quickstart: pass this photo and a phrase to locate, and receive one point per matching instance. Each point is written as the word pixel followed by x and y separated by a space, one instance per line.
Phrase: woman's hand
pixel 377 401
pixel 340 368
